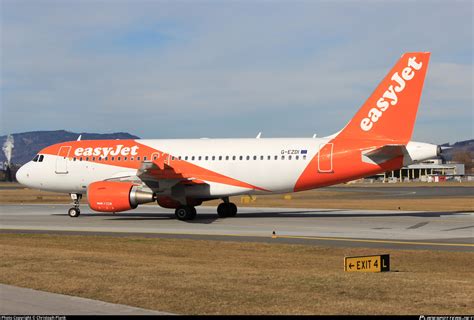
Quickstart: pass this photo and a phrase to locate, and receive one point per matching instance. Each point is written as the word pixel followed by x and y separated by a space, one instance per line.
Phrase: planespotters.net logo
pixel 390 97
pixel 446 318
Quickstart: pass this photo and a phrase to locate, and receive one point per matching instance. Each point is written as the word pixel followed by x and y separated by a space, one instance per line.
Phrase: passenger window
pixel 304 157
pixel 186 158
pixel 255 157
pixel 179 158
pixel 106 158
pixel 192 158
pixel 289 157
pixel 113 159
pixel 125 158
pixel 261 157
pixel 213 157
pixel 138 158
pixel 131 158
pixel 154 158
pixel 93 158
pixel 227 157
pixel 144 158
pixel 207 158
pixel 87 159
pixel 248 157
pixel 240 158
pixel 220 158
pixel 276 157
pixel 282 157
pixel 80 159
pixel 74 159
pixel 233 157
pixel 269 157
pixel 199 158
pixel 297 157
pixel 118 158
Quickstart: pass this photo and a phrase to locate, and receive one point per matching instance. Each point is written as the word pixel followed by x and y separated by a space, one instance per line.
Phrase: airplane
pixel 181 174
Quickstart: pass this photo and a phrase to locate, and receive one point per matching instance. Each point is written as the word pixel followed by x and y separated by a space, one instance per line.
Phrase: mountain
pixel 27 144
pixel 466 146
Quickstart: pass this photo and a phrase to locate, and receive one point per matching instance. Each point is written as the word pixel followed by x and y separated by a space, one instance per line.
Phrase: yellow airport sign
pixel 380 263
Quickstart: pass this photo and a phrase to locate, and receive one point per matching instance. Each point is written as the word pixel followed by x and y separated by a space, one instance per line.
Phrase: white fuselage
pixel 270 165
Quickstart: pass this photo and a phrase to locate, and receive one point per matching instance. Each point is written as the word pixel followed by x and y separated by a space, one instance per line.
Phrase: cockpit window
pixel 38 158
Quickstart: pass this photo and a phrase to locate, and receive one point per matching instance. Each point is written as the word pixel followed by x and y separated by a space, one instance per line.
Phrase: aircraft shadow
pixel 208 218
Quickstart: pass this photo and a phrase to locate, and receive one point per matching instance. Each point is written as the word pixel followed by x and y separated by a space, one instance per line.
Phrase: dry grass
pixel 212 277
pixel 26 195
pixel 333 198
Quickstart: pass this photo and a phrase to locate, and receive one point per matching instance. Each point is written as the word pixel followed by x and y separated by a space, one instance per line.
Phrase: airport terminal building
pixel 433 170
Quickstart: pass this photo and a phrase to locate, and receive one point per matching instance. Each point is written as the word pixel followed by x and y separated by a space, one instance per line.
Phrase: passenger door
pixel 62 159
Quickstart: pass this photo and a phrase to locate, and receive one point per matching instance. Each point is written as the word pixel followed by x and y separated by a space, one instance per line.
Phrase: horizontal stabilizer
pixel 383 154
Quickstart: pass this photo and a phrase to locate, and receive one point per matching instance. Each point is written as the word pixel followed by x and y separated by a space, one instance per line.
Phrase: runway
pixel 329 227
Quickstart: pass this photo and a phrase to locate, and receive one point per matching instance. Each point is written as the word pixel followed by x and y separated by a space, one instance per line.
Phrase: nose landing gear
pixel 74 212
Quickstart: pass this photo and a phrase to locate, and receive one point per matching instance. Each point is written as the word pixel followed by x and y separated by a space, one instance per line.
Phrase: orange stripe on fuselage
pixel 107 150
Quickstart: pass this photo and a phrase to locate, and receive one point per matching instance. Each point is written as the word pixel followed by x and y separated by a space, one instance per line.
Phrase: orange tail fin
pixel 390 112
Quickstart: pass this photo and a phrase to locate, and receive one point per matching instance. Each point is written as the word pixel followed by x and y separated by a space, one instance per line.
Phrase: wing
pixel 161 176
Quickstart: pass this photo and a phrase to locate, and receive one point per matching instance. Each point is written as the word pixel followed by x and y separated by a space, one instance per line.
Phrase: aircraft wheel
pixel 226 210
pixel 222 210
pixel 232 209
pixel 194 213
pixel 185 213
pixel 74 212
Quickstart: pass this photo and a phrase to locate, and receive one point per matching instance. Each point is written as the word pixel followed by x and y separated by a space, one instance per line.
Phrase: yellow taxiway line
pixel 381 241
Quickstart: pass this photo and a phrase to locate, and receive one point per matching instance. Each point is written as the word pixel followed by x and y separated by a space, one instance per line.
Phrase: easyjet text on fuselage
pixel 106 151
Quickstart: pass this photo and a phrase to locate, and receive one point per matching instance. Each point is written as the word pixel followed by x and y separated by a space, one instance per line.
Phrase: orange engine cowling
pixel 112 196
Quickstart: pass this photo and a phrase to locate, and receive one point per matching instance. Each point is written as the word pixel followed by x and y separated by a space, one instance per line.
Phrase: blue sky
pixel 190 69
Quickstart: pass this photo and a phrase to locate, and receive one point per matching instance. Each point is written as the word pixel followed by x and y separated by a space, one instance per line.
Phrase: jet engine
pixel 419 151
pixel 112 196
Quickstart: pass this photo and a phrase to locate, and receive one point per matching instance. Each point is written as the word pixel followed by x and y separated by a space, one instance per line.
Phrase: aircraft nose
pixel 22 175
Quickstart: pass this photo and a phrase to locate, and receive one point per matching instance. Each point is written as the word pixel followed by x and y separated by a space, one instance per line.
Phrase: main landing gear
pixel 185 213
pixel 74 212
pixel 226 209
